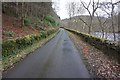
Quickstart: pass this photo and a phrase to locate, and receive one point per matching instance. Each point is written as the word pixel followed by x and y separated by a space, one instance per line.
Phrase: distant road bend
pixel 56 59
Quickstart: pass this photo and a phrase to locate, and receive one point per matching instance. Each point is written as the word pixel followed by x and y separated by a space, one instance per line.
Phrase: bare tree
pixel 102 20
pixel 55 6
pixel 109 9
pixel 71 6
pixel 95 6
pixel 71 9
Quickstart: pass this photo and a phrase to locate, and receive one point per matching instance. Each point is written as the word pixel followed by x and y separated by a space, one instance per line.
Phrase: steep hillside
pixel 25 18
pixel 76 23
pixel 26 26
pixel 11 30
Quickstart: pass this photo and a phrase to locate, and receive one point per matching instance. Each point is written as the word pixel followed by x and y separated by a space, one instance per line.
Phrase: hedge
pixel 109 48
pixel 13 46
pixel 50 21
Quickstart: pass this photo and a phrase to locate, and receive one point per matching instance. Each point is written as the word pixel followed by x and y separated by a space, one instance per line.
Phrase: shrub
pixel 43 34
pixel 24 42
pixel 9 33
pixel 50 21
pixel 27 21
pixel 37 37
pixel 27 41
pixel 8 47
pixel 20 42
pixel 50 32
pixel 32 38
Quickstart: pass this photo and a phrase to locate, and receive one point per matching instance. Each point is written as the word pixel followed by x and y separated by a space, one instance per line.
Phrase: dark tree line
pixel 22 10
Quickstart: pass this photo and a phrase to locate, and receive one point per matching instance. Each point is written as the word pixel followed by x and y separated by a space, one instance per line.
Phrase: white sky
pixel 62 6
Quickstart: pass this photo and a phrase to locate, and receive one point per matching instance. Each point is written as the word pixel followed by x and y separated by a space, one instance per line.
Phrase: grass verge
pixel 9 62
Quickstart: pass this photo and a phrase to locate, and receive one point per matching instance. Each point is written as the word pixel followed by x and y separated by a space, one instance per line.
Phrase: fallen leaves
pixel 85 51
pixel 99 65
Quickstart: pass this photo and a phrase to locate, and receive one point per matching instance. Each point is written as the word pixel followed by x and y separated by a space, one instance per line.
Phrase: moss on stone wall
pixel 109 48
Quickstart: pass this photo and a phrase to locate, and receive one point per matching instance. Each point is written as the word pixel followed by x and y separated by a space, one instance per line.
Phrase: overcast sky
pixel 62 6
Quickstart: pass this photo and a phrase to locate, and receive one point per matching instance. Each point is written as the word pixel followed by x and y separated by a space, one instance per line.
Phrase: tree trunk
pixel 113 23
pixel 22 15
pixel 91 17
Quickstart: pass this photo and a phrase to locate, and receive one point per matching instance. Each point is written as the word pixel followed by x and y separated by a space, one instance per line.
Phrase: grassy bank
pixel 11 60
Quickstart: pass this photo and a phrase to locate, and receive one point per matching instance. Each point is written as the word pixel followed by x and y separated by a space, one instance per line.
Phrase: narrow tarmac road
pixel 56 59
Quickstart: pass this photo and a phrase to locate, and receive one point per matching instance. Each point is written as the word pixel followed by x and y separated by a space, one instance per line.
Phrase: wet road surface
pixel 58 58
